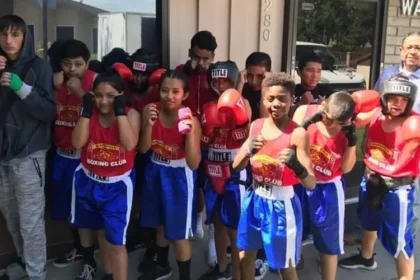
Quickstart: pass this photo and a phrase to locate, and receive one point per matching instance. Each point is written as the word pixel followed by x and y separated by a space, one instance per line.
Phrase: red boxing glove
pixel 154 78
pixel 411 128
pixel 209 121
pixel 123 71
pixel 232 103
pixel 366 100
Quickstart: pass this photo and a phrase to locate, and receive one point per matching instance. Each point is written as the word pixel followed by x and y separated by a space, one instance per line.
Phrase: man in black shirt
pixel 256 65
pixel 310 90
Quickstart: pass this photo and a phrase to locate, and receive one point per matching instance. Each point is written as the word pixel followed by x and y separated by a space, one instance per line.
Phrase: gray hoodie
pixel 25 125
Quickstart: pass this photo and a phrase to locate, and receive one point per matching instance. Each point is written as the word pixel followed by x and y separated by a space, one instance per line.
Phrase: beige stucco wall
pixel 64 15
pixel 240 27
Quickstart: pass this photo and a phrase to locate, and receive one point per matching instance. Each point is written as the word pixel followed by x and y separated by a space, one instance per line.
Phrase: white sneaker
pixel 199 233
pixel 211 252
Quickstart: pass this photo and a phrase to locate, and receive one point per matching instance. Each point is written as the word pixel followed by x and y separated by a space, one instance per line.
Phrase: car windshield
pixel 321 51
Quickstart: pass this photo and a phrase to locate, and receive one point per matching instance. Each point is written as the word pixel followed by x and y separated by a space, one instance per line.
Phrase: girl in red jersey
pixel 107 132
pixel 278 151
pixel 168 192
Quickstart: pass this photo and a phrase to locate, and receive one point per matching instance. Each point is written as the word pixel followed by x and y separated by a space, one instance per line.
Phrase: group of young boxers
pixel 191 143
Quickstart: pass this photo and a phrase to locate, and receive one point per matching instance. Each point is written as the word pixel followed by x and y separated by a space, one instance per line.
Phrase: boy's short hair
pixel 12 22
pixel 259 59
pixel 340 106
pixel 279 79
pixel 309 58
pixel 204 40
pixel 75 49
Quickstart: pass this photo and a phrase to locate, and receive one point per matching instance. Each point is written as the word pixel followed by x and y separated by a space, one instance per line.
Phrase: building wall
pixel 240 27
pixel 6 7
pixel 64 15
pixel 398 26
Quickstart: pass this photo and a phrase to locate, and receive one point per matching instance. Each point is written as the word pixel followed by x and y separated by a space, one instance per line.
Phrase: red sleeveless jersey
pixel 265 165
pixel 103 155
pixel 384 151
pixel 167 143
pixel 68 110
pixel 139 102
pixel 326 152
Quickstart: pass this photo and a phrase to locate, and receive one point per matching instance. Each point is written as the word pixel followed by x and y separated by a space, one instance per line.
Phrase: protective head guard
pixel 223 69
pixel 399 85
pixel 142 63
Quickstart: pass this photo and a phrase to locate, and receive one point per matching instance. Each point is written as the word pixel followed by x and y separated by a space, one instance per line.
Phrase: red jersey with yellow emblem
pixel 326 152
pixel 385 152
pixel 168 144
pixel 265 165
pixel 68 110
pixel 103 154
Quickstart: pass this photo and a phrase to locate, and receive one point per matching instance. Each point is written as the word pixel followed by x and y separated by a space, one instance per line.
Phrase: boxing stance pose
pixel 144 87
pixel 224 131
pixel 391 155
pixel 107 132
pixel 278 151
pixel 332 142
pixel 167 201
pixel 70 84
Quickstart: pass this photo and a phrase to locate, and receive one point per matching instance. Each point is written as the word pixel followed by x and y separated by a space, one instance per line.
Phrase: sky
pixel 138 6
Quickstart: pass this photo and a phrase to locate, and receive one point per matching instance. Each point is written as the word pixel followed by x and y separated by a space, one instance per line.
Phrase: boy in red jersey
pixel 107 132
pixel 278 151
pixel 224 192
pixel 333 152
pixel 167 201
pixel 70 85
pixel 392 156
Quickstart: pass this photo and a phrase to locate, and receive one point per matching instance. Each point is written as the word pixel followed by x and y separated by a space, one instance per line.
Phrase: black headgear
pixel 223 69
pixel 399 85
pixel 143 61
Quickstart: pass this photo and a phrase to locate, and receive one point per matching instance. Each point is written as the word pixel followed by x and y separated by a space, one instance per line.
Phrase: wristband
pixel 302 174
pixel 352 141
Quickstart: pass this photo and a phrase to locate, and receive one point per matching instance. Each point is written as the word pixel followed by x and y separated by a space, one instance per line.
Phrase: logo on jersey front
pixel 67 115
pixel 163 152
pixel 267 170
pixel 100 154
pixel 381 156
pixel 322 160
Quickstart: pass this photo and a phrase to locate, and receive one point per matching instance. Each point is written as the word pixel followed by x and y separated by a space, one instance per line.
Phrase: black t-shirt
pixel 321 90
pixel 254 99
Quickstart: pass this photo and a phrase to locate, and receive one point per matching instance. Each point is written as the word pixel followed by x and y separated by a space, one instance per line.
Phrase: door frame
pixel 162 30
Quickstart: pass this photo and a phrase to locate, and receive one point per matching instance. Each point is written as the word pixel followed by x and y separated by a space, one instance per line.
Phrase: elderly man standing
pixel 26 110
pixel 410 67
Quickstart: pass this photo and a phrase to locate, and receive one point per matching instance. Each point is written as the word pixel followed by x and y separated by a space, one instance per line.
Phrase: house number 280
pixel 267 20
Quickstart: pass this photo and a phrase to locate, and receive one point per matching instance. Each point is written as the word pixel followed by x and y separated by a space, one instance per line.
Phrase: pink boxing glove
pixel 184 114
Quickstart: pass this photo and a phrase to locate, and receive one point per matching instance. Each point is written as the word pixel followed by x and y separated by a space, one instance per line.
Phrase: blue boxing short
pixel 300 191
pixel 64 164
pixel 326 205
pixel 168 198
pixel 271 218
pixel 227 205
pixel 393 221
pixel 103 203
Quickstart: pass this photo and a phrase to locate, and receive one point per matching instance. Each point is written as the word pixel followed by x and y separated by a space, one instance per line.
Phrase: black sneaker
pixel 158 273
pixel 229 252
pixel 215 274
pixel 261 268
pixel 147 265
pixel 87 273
pixel 357 261
pixel 69 258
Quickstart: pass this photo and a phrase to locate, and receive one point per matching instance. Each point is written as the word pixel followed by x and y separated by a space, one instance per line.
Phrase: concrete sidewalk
pixel 386 269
